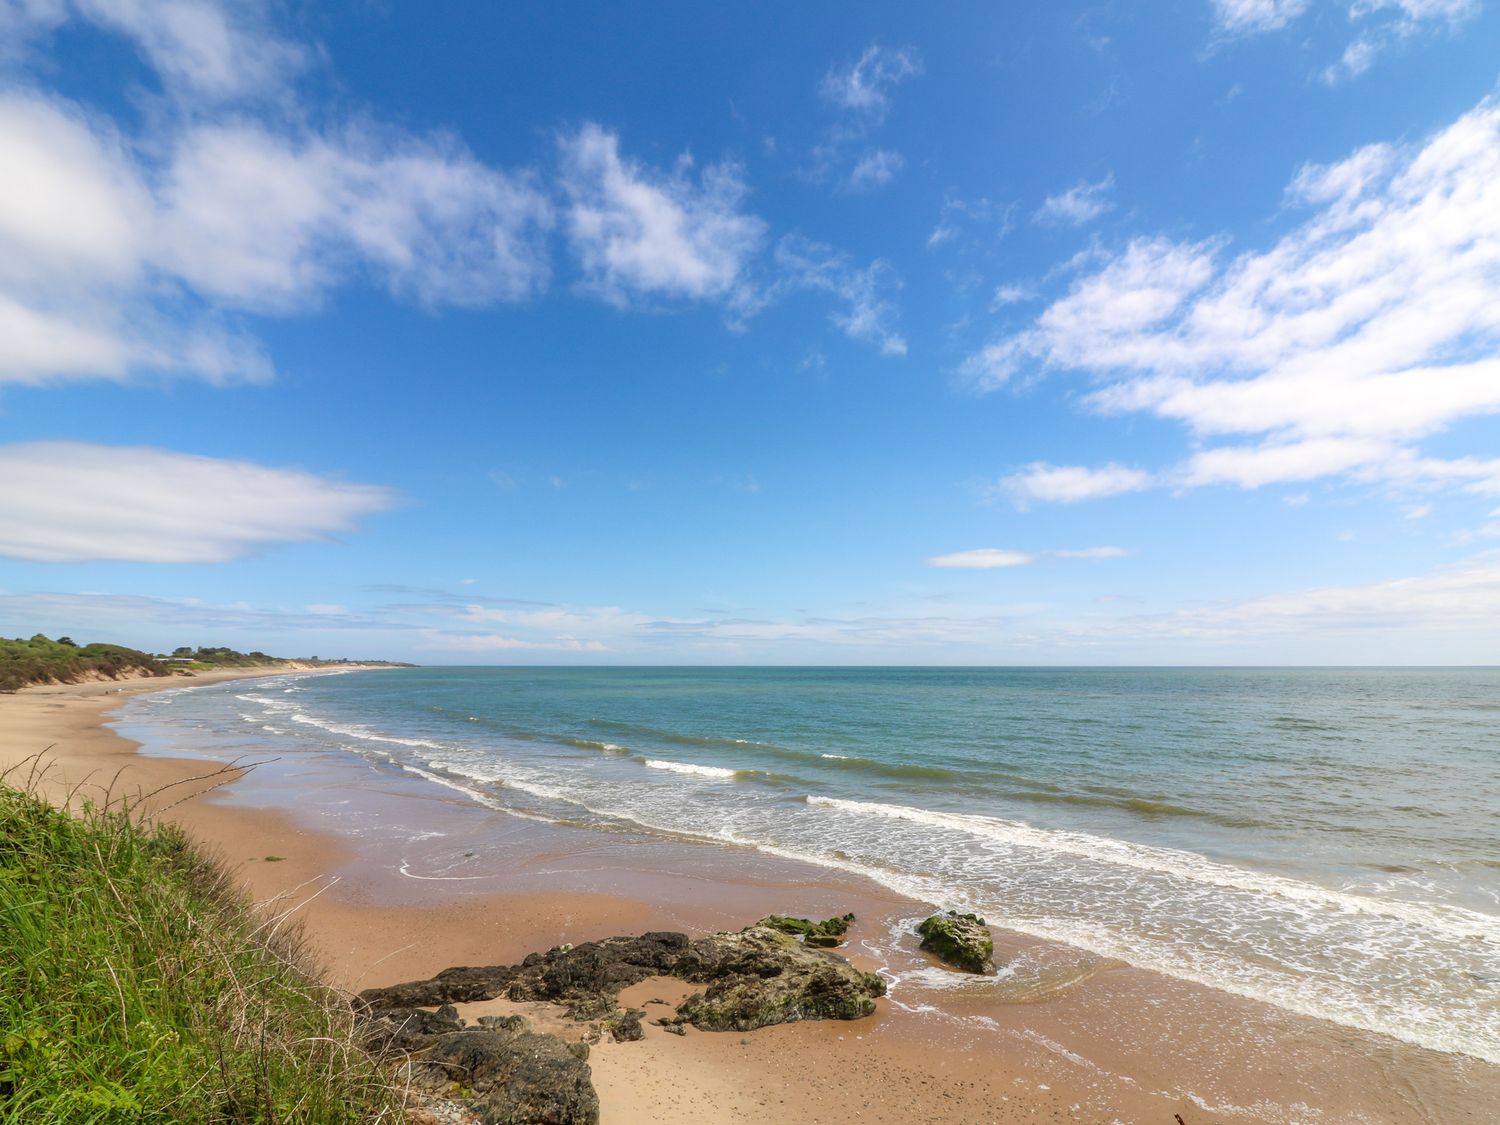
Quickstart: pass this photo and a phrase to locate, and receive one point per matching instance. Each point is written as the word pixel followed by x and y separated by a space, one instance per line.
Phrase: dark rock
pixel 829 932
pixel 675 1029
pixel 760 977
pixel 395 1030
pixel 588 977
pixel 509 1075
pixel 451 986
pixel 960 940
pixel 626 1027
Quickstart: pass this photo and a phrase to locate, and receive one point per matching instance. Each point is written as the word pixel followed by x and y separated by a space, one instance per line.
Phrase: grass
pixel 138 985
pixel 44 661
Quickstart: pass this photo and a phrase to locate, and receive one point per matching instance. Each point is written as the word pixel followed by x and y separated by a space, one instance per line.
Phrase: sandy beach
pixel 1110 1043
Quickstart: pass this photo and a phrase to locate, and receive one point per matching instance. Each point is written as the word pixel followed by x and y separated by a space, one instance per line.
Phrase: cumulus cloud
pixel 77 502
pixel 865 85
pixel 1080 204
pixel 642 233
pixel 123 253
pixel 1372 324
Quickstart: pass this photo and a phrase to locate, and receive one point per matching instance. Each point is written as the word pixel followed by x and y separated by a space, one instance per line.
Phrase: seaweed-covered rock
pixel 960 940
pixel 761 976
pixel 829 932
pixel 509 1075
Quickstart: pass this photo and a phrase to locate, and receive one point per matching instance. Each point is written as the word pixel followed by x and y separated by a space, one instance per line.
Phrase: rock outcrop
pixel 757 977
pixel 506 1073
pixel 960 940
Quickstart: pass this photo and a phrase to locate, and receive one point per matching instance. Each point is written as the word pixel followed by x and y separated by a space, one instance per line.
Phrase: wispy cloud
pixel 74 502
pixel 1386 24
pixel 1080 204
pixel 866 292
pixel 875 169
pixel 1381 25
pixel 1369 326
pixel 1447 614
pixel 992 558
pixel 1242 17
pixel 200 48
pixel 1093 553
pixel 640 233
pixel 1068 484
pixel 861 92
pixel 865 85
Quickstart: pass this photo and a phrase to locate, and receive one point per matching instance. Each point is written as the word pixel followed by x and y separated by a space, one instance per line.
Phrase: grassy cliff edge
pixel 138 985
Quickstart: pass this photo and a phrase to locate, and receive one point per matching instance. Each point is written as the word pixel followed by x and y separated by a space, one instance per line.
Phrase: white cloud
pixel 875 169
pixel 76 502
pixel 1372 324
pixel 263 220
pixel 436 641
pixel 1093 553
pixel 1463 596
pixel 1068 484
pixel 996 220
pixel 1388 23
pixel 1251 466
pixel 642 233
pixel 984 558
pixel 200 48
pixel 1011 294
pixel 865 86
pixel 991 558
pixel 213 49
pixel 123 254
pixel 869 312
pixel 1249 16
pixel 1082 203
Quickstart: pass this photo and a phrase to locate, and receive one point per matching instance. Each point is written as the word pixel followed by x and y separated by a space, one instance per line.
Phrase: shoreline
pixel 1118 1042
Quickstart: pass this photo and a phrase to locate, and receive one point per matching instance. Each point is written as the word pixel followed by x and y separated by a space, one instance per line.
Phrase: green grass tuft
pixel 137 985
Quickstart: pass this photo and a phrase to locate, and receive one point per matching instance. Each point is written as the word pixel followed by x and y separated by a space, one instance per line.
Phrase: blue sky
pixel 1052 333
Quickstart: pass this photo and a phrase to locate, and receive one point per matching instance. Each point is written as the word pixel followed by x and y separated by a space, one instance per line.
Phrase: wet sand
pixel 396 878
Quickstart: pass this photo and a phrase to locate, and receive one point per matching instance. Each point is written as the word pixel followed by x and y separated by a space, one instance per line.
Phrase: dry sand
pixel 1120 1045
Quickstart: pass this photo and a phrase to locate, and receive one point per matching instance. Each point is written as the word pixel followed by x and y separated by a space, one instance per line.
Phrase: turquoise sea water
pixel 1326 840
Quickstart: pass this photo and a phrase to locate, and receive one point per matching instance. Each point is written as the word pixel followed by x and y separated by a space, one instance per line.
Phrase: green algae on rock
pixel 960 940
pixel 829 932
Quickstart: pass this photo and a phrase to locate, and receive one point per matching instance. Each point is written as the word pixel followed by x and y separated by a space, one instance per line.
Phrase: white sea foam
pixel 1450 920
pixel 364 734
pixel 718 773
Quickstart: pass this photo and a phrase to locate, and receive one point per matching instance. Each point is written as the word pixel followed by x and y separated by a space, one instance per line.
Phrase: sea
pixel 1324 840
